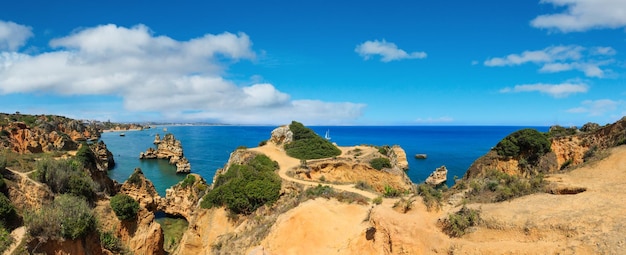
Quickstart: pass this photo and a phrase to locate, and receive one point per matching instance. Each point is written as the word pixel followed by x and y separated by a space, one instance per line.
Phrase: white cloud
pixel 596 107
pixel 583 15
pixel 183 80
pixel 13 36
pixel 387 50
pixel 561 58
pixel 555 90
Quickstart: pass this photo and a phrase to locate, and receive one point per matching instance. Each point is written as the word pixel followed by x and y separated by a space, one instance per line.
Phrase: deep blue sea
pixel 208 147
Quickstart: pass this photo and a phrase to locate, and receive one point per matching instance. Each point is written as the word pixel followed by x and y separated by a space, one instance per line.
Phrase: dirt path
pixel 25 176
pixel 17 234
pixel 286 162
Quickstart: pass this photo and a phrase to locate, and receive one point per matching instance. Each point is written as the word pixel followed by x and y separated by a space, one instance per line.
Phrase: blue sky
pixel 320 62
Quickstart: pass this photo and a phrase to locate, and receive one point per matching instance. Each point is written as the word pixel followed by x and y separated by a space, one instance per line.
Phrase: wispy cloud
pixel 597 107
pixel 430 120
pixel 178 79
pixel 561 58
pixel 13 36
pixel 583 15
pixel 387 50
pixel 554 90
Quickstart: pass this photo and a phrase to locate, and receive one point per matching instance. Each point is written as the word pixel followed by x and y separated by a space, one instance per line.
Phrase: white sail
pixel 327 136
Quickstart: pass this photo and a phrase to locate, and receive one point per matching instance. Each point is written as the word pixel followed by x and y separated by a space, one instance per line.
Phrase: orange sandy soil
pixel 591 222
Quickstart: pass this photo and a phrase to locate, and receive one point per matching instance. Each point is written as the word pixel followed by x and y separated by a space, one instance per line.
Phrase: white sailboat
pixel 327 136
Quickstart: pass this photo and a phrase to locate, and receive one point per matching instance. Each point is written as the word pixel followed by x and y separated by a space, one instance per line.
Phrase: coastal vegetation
pixel 527 144
pixel 244 188
pixel 66 176
pixel 67 217
pixel 380 163
pixel 328 192
pixel 458 224
pixel 124 206
pixel 497 186
pixel 431 196
pixel 307 144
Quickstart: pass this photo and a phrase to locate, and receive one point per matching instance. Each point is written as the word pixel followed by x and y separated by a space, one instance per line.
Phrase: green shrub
pixel 188 181
pixel 262 143
pixel 391 192
pixel 457 224
pixel 4 133
pixel 499 186
pixel 65 176
pixel 241 147
pixel 383 149
pixel 124 206
pixel 5 239
pixel 590 153
pixel 363 185
pixel 67 217
pixel 566 164
pixel 110 242
pixel 85 156
pixel 404 205
pixel 320 190
pixel 7 210
pixel 378 200
pixel 307 144
pixel 134 177
pixel 244 188
pixel 528 144
pixel 431 196
pixel 380 163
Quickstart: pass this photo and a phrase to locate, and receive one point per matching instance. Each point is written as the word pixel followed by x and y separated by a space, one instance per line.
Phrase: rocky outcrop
pixel 141 189
pixel 43 133
pixel 182 199
pixel 565 150
pixel 281 135
pixel 104 157
pixel 397 156
pixel 439 176
pixel 171 149
pixel 238 157
pixel 143 235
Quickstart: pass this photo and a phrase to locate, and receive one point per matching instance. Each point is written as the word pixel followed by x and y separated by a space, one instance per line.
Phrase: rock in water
pixel 437 177
pixel 171 149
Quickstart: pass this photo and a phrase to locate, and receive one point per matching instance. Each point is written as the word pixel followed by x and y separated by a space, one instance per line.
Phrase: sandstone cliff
pixel 171 149
pixel 439 176
pixel 43 133
pixel 566 150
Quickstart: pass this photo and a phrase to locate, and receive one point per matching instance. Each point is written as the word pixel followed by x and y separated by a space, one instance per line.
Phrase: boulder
pixel 281 135
pixel 437 177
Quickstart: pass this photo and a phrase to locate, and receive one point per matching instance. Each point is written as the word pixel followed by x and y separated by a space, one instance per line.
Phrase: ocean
pixel 208 147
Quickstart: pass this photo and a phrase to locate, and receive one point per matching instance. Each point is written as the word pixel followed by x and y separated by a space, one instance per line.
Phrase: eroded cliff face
pixel 353 166
pixel 171 149
pixel 44 133
pixel 567 150
pixel 142 235
pixel 183 198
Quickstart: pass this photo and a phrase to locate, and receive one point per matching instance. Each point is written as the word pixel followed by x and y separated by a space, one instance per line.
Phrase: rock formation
pixel 567 148
pixel 439 176
pixel 171 149
pixel 281 135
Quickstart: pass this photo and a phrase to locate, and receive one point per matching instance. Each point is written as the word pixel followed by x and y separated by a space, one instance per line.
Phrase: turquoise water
pixel 208 147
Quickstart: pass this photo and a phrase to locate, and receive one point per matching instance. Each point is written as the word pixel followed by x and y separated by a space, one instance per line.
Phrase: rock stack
pixel 171 149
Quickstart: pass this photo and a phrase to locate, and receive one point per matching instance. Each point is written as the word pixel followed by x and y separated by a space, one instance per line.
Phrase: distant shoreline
pixel 121 130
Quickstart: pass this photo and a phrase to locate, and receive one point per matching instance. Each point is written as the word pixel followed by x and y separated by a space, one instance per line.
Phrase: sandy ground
pixel 286 163
pixel 17 234
pixel 591 222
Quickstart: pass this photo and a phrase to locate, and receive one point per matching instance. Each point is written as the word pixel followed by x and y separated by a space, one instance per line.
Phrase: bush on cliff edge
pixel 307 144
pixel 244 188
pixel 528 144
pixel 124 206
